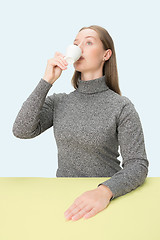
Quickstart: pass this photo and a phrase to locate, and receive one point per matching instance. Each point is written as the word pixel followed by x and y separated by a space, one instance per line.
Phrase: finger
pixel 59 64
pixel 58 54
pixel 61 56
pixel 81 213
pixel 72 207
pixel 77 202
pixel 92 213
pixel 61 61
pixel 76 210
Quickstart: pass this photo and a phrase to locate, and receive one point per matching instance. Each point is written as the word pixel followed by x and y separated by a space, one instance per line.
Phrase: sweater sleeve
pixel 132 148
pixel 36 113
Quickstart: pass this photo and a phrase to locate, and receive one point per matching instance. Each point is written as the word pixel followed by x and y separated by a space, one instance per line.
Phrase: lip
pixel 80 58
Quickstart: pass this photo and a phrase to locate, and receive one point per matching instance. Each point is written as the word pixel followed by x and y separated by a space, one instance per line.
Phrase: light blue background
pixel 32 31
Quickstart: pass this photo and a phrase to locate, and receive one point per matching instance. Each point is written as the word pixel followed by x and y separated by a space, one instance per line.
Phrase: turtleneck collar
pixel 92 86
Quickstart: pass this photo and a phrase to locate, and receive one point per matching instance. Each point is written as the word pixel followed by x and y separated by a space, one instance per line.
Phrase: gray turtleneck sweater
pixel 89 125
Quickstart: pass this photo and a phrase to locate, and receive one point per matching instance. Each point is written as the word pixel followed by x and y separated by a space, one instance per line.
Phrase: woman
pixel 89 123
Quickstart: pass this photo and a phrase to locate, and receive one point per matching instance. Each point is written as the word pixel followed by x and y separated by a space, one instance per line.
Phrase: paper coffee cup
pixel 73 53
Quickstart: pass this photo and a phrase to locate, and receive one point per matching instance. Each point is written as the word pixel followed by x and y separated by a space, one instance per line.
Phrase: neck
pixel 95 85
pixel 90 75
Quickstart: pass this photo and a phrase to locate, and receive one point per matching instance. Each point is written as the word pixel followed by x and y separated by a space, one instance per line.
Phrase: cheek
pixel 95 55
pixel 93 52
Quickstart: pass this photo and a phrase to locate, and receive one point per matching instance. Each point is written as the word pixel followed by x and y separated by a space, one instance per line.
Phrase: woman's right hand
pixel 54 67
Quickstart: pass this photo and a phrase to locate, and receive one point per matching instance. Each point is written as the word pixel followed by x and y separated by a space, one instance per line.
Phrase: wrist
pixel 106 190
pixel 48 80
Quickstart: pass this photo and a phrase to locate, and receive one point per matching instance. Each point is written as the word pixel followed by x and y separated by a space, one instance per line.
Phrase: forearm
pixel 127 179
pixel 27 123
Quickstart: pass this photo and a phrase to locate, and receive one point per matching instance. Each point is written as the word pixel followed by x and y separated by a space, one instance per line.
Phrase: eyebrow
pixel 85 37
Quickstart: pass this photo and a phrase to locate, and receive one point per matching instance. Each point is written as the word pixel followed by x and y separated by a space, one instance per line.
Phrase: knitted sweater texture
pixel 89 125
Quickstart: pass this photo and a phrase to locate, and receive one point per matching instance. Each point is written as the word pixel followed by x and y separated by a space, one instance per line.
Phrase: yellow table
pixel 33 208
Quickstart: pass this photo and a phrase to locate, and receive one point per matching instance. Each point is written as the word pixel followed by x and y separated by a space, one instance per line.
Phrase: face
pixel 92 51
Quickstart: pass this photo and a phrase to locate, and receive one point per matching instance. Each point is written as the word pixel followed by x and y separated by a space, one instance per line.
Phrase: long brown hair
pixel 110 66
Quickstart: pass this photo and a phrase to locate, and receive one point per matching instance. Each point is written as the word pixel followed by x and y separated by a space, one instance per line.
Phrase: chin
pixel 79 67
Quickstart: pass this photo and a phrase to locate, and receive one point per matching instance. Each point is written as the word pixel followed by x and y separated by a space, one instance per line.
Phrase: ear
pixel 107 54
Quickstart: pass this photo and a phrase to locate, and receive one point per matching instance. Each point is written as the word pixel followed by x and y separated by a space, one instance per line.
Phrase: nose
pixel 80 45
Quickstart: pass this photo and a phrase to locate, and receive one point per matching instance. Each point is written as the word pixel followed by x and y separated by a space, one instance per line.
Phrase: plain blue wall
pixel 32 31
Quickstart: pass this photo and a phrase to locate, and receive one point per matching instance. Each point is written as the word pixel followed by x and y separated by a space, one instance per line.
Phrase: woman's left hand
pixel 89 203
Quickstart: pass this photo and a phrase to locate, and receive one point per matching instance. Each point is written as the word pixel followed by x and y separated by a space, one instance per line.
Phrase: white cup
pixel 73 53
